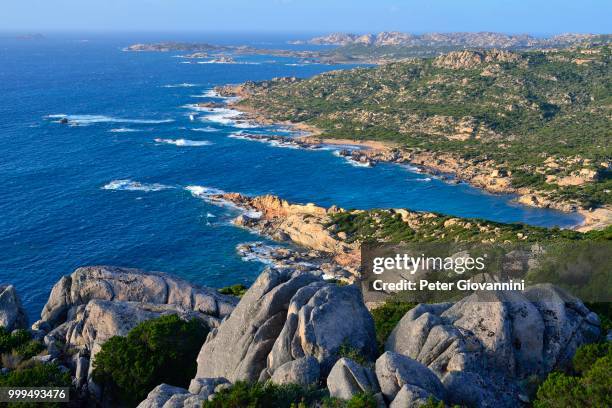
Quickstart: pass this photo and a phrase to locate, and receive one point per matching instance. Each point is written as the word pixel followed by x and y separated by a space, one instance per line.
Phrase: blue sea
pixel 116 186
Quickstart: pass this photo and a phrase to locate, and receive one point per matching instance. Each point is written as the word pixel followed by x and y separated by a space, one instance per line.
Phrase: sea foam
pixel 86 120
pixel 130 185
pixel 184 142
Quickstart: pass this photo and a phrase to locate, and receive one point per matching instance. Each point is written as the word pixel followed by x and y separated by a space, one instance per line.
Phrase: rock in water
pixel 484 346
pixel 286 316
pixel 12 314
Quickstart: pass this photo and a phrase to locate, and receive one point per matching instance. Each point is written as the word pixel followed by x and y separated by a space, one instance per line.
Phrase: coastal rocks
pixel 394 371
pixel 99 320
pixel 129 285
pixel 161 394
pixel 485 346
pixel 12 314
pixel 285 317
pixel 348 378
pixel 303 371
pixel 305 225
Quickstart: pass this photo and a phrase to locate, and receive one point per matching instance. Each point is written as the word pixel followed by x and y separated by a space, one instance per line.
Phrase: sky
pixel 308 16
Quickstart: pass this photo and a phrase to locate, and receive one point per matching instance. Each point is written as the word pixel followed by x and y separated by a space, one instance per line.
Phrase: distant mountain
pixel 469 40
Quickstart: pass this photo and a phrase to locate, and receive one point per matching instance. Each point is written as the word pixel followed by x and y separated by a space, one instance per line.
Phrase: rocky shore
pixel 479 173
pixel 293 327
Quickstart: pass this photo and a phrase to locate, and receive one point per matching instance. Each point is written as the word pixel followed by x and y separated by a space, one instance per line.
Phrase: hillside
pixel 540 119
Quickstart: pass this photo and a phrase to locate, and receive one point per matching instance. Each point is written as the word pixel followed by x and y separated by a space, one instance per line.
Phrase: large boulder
pixel 99 320
pixel 129 285
pixel 304 371
pixel 395 370
pixel 348 378
pixel 12 314
pixel 287 316
pixel 161 394
pixel 485 346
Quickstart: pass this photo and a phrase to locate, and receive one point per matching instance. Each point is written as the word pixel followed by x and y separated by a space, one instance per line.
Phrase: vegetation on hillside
pixel 591 386
pixel 161 350
pixel 543 117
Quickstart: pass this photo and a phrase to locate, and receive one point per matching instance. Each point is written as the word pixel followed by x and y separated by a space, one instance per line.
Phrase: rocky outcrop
pixel 348 378
pixel 303 371
pixel 285 317
pixel 128 285
pixel 472 59
pixel 394 371
pixel 99 320
pixel 12 314
pixel 484 346
pixel 93 304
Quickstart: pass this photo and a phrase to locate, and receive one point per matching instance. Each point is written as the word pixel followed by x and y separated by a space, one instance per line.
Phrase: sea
pixel 125 181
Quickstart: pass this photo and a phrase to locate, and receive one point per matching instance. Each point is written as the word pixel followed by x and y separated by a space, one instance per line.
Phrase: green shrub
pixel 235 290
pixel 161 350
pixel 592 389
pixel 362 400
pixel 587 355
pixel 38 375
pixel 386 318
pixel 348 351
pixel 19 344
pixel 264 395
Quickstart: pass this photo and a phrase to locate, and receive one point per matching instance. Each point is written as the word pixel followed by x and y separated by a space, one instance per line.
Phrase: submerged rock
pixel 12 314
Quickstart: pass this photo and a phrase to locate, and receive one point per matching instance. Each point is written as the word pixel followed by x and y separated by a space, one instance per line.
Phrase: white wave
pixel 85 120
pixel 130 185
pixel 184 142
pixel 208 194
pixel 183 85
pixel 124 130
pixel 228 62
pixel 223 116
pixel 426 179
pixel 205 129
pixel 203 192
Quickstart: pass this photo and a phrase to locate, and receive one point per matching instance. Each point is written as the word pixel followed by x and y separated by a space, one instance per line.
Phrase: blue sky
pixel 513 16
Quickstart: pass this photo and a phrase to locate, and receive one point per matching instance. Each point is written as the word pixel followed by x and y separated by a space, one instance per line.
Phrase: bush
pixel 18 345
pixel 39 375
pixel 587 355
pixel 386 318
pixel 592 389
pixel 235 290
pixel 161 350
pixel 264 395
pixel 362 400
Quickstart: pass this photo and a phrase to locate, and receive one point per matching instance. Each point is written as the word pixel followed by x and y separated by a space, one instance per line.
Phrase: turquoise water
pixel 106 192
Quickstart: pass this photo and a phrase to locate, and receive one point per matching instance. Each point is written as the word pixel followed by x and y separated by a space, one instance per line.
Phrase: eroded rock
pixel 484 346
pixel 287 316
pixel 12 314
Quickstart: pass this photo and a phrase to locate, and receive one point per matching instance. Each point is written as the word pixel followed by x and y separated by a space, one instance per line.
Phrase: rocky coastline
pixel 481 174
pixel 292 326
